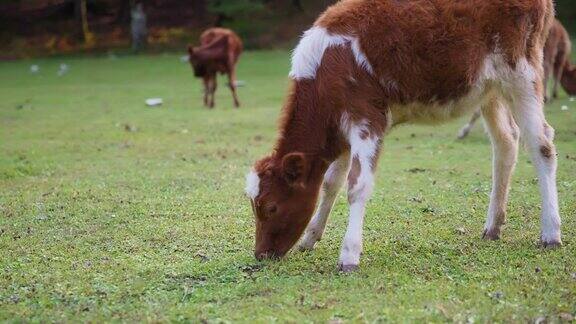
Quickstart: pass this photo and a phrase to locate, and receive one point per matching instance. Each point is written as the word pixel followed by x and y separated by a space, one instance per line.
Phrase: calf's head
pixel 569 80
pixel 196 62
pixel 283 193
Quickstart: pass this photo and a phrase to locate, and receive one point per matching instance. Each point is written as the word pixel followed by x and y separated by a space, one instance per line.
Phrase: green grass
pixel 100 223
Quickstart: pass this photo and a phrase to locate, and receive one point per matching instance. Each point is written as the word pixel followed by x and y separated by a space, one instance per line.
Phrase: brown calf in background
pixel 556 56
pixel 568 79
pixel 218 52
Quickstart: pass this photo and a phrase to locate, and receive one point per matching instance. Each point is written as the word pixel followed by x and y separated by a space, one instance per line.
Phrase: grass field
pixel 110 210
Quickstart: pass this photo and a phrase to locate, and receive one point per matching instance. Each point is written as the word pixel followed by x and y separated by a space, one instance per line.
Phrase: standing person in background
pixel 138 28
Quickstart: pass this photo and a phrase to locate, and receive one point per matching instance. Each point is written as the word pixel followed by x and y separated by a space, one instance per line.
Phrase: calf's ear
pixel 295 169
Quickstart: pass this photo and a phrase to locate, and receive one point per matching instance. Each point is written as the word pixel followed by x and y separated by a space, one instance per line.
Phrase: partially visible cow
pixel 556 56
pixel 568 80
pixel 368 65
pixel 218 52
pixel 556 63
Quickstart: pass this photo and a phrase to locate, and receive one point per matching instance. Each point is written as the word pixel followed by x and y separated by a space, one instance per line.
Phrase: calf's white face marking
pixel 252 184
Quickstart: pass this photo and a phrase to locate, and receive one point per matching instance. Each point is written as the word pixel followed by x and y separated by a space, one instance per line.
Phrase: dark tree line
pixel 86 18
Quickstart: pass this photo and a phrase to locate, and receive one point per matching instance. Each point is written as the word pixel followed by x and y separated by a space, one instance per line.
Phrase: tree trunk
pixel 82 19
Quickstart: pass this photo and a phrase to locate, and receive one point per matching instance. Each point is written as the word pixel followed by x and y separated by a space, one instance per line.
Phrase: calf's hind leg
pixel 333 180
pixel 528 111
pixel 213 86
pixel 206 91
pixel 504 136
pixel 468 127
pixel 232 85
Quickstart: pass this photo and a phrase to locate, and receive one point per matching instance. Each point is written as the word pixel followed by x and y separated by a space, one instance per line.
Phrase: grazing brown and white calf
pixel 218 52
pixel 556 62
pixel 367 65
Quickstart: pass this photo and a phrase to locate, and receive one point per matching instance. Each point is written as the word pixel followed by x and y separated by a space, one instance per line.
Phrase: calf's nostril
pixel 261 255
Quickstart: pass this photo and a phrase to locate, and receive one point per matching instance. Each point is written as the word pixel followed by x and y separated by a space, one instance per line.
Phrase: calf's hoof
pixel 308 241
pixel 550 244
pixel 347 268
pixel 463 133
pixel 550 239
pixel 491 234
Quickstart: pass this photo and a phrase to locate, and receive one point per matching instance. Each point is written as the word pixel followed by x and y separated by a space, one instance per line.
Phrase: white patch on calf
pixel 496 68
pixel 252 184
pixel 308 55
pixel 364 147
pixel 361 59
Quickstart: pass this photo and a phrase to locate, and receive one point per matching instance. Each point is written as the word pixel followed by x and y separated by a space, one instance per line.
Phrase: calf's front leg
pixel 364 147
pixel 333 180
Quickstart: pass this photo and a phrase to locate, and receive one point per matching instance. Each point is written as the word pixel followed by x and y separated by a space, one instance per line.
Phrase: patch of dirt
pixel 251 269
pixel 184 280
pixel 417 170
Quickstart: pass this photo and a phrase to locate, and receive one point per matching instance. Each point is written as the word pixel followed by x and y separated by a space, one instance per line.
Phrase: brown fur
pixel 218 52
pixel 459 34
pixel 557 51
pixel 432 49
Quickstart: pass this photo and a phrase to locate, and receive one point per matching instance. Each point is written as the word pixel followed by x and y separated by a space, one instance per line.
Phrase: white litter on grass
pixel 572 99
pixel 240 83
pixel 184 59
pixel 64 68
pixel 34 68
pixel 564 108
pixel 154 102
